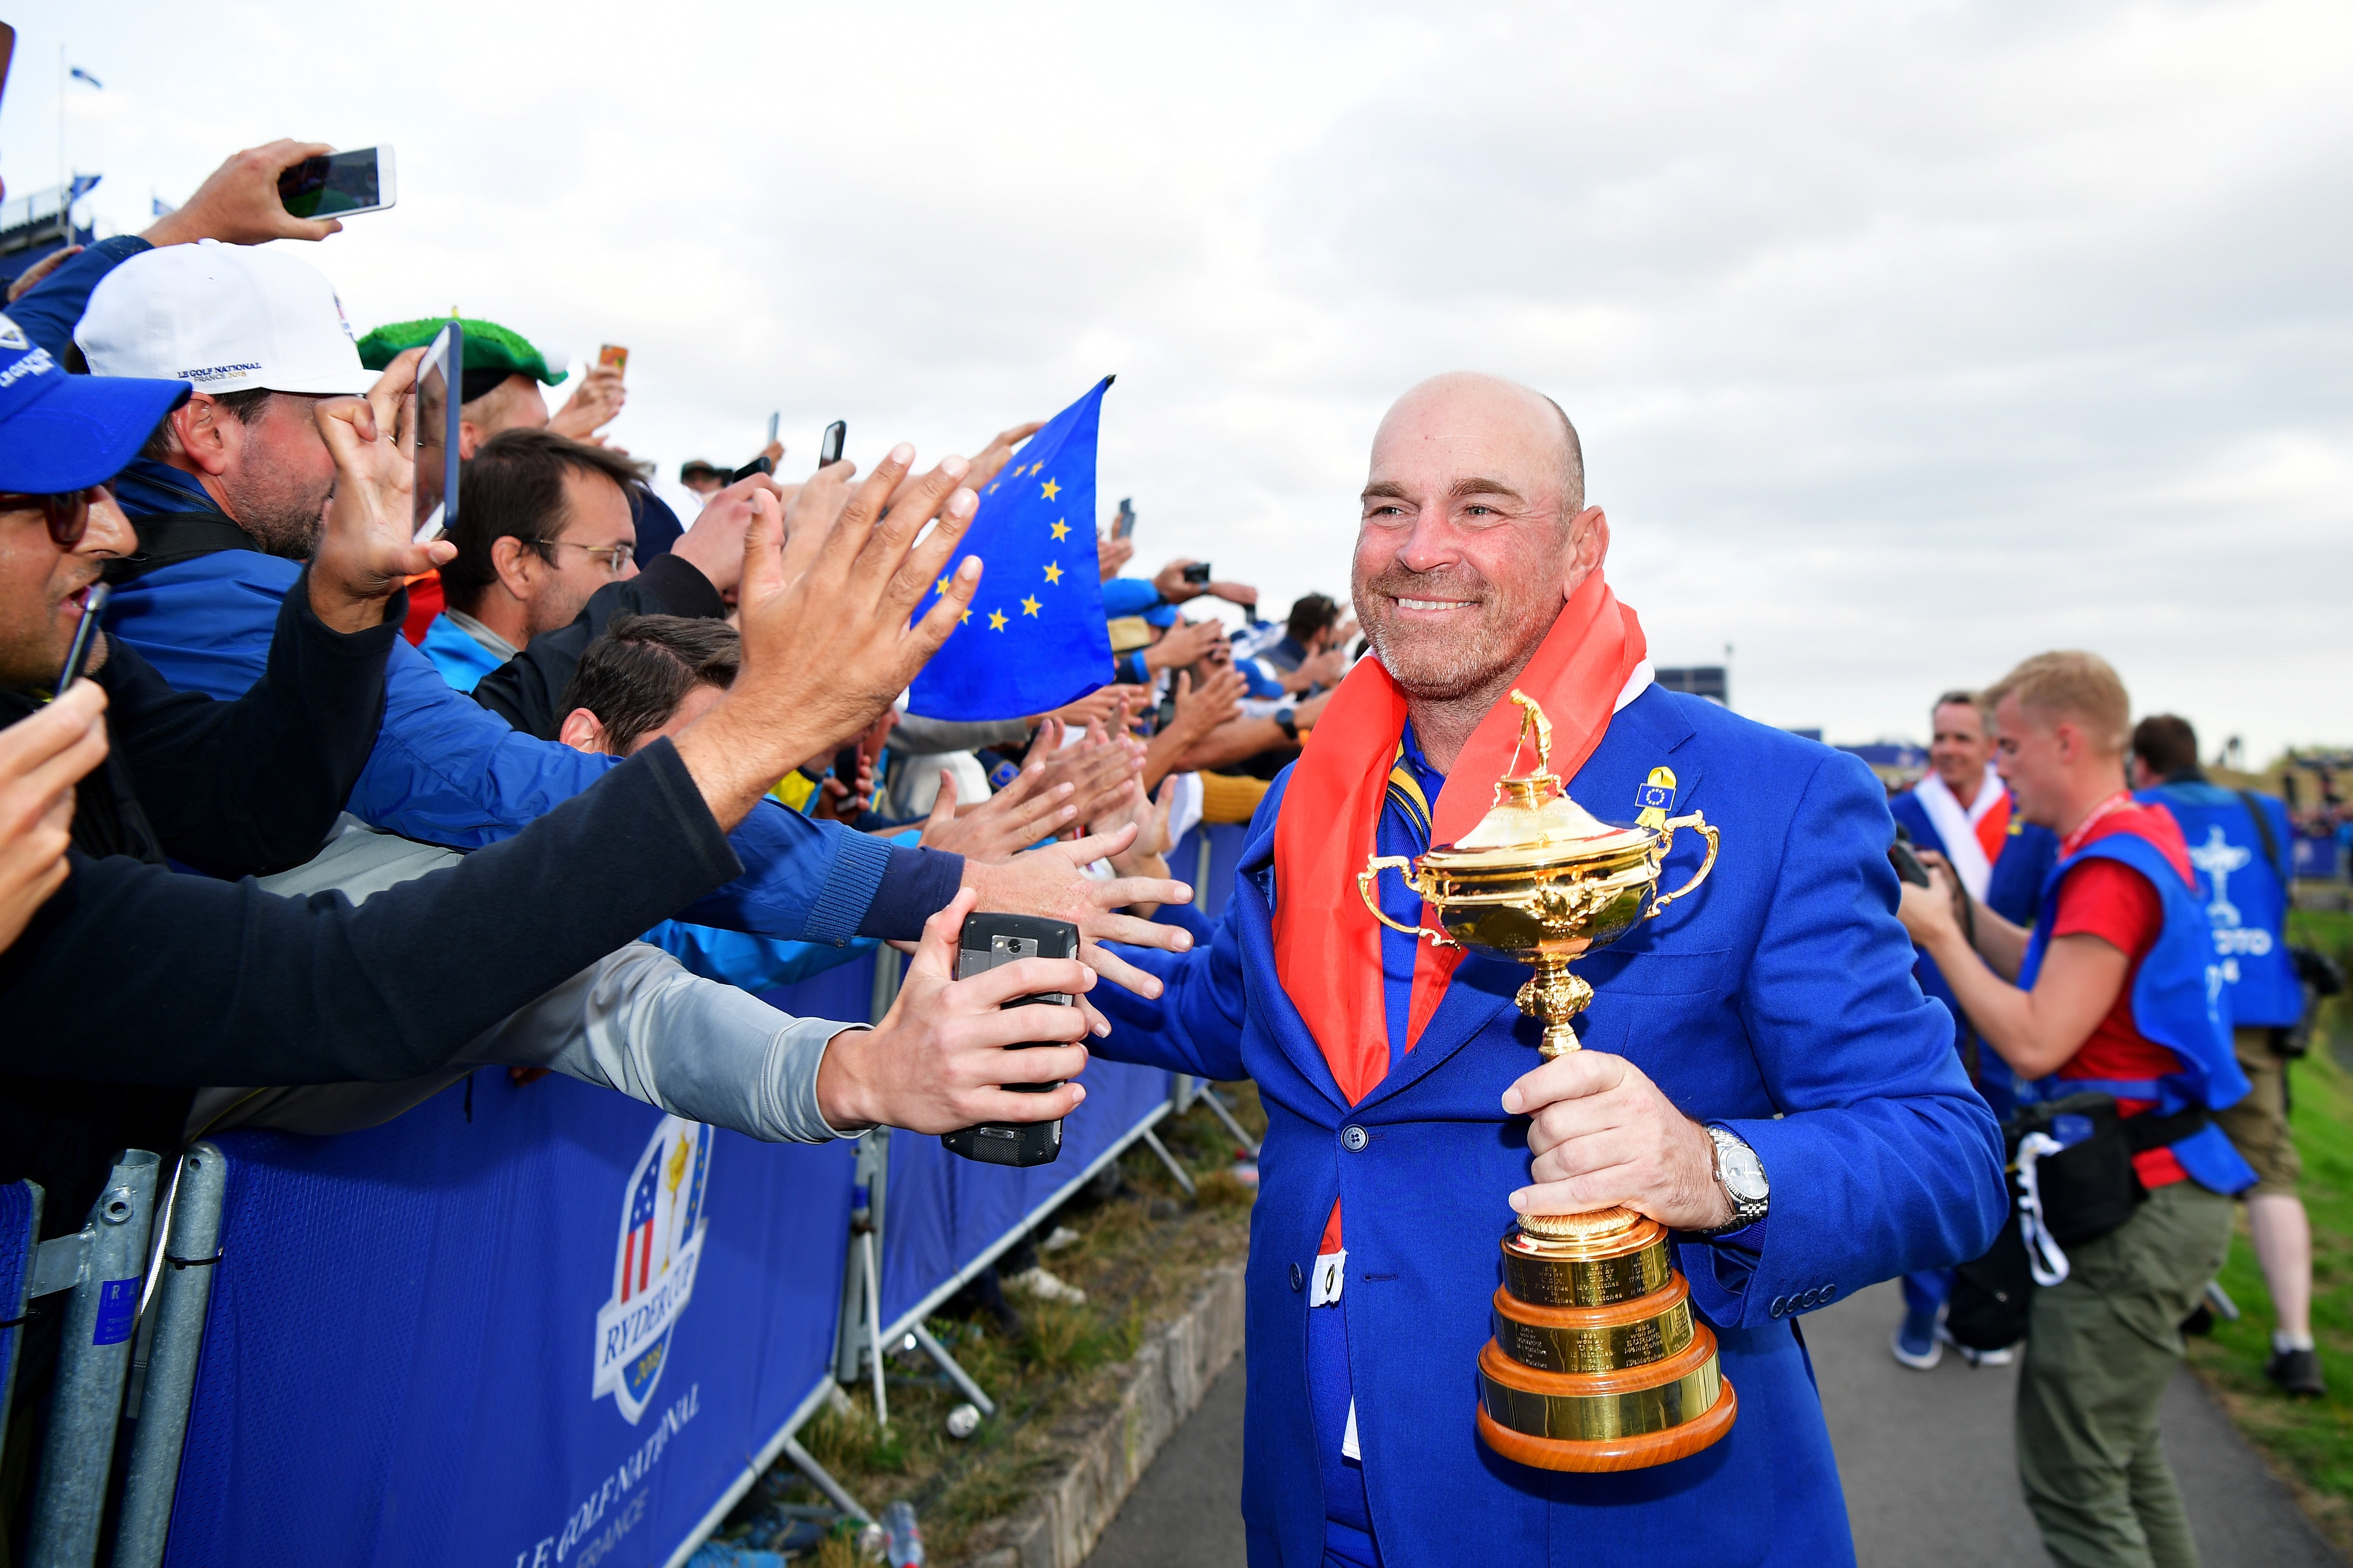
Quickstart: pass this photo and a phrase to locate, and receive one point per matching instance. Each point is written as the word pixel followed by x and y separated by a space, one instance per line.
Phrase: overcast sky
pixel 1905 340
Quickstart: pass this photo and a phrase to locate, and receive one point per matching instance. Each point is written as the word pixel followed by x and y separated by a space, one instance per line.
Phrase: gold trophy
pixel 1597 1362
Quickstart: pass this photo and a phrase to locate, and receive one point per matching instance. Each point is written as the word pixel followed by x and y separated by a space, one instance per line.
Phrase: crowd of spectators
pixel 605 771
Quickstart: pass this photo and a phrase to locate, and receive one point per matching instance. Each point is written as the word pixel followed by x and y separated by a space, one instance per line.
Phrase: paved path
pixel 1926 1459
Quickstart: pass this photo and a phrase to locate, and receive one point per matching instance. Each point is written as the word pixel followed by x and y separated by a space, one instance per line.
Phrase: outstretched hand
pixel 828 638
pixel 937 1060
pixel 368 547
pixel 1050 881
pixel 1025 811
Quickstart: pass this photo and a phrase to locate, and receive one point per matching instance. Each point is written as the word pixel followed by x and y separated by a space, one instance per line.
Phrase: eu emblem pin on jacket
pixel 1779 1000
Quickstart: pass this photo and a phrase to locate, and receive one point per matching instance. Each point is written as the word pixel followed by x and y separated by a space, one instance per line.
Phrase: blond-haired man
pixel 2107 994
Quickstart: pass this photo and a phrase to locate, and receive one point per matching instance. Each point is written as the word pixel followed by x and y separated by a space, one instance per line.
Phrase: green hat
pixel 489 347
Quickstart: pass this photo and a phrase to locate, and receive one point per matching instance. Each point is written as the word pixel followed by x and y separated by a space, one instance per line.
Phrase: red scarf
pixel 1327 946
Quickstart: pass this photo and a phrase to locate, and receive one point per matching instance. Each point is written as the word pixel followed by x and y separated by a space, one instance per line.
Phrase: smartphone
pixel 845 768
pixel 1908 864
pixel 337 184
pixel 615 355
pixel 1125 528
pixel 78 652
pixel 829 449
pixel 759 465
pixel 434 432
pixel 773 420
pixel 1197 573
pixel 987 942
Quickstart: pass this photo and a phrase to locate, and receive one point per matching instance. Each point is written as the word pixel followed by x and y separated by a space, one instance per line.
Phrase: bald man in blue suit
pixel 1775 1007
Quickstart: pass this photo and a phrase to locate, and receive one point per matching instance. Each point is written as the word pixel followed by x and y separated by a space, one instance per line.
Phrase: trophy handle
pixel 1697 821
pixel 1365 879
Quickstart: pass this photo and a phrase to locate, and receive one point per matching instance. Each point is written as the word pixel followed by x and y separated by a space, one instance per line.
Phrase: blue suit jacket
pixel 1779 1000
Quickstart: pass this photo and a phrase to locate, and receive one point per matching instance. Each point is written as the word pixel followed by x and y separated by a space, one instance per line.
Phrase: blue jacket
pixel 1777 999
pixel 2175 1003
pixel 453 651
pixel 447 770
pixel 2244 891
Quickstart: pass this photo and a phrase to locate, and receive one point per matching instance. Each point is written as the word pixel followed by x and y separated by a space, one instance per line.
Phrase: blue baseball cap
pixel 61 431
pixel 1160 616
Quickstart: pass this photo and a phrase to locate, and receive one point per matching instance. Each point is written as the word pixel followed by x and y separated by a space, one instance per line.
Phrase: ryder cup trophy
pixel 1597 1362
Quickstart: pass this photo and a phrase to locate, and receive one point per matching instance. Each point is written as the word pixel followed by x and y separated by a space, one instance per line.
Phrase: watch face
pixel 1744 1174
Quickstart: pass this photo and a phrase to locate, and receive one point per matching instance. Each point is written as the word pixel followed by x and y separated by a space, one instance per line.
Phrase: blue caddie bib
pixel 2175 1003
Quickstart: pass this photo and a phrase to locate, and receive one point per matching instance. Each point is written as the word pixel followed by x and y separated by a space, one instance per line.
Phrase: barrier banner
pixel 539 1325
pixel 1225 839
pixel 941 1210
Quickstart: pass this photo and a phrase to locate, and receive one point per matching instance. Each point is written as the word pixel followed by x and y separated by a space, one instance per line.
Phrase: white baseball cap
pixel 222 318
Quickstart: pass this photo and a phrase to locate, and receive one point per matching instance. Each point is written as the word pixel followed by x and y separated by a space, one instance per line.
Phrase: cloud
pixel 1906 341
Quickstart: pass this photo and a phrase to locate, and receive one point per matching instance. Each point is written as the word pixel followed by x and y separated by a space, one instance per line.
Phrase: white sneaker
pixel 1916 1359
pixel 1063 1237
pixel 2001 1357
pixel 1039 1281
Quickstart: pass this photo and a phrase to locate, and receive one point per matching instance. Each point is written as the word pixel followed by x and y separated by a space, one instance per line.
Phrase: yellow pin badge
pixel 1656 798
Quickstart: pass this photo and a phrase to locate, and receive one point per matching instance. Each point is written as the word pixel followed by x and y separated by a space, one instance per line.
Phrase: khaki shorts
pixel 2258 1124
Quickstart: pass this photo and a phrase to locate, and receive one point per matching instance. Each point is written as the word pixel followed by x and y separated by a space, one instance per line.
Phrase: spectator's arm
pixel 49 311
pixel 252 786
pixel 173 979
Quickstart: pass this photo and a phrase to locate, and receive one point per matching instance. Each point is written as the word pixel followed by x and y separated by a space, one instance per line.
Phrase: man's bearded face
pixel 1464 552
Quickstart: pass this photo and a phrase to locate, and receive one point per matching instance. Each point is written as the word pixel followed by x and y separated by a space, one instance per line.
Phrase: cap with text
pixel 60 432
pixel 222 318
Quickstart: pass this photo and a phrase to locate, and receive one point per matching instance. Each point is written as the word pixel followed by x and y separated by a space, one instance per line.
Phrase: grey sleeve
pixel 918 737
pixel 638 1022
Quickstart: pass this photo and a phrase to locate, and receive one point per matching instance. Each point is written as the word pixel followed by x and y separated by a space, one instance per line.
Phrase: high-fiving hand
pixel 368 548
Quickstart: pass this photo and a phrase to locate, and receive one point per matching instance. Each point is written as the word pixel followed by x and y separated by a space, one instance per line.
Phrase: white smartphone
pixel 337 184
pixel 435 433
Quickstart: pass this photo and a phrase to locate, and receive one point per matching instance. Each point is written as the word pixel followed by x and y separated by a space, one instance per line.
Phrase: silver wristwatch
pixel 1741 1174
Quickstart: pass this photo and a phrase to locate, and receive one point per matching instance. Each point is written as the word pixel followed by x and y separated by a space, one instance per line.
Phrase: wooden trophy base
pixel 1612 1454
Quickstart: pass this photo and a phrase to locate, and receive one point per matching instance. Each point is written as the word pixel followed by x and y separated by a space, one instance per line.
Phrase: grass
pixel 2309 1441
pixel 1139 1260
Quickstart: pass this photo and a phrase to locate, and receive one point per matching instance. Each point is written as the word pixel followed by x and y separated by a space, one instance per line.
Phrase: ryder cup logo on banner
pixel 654 1260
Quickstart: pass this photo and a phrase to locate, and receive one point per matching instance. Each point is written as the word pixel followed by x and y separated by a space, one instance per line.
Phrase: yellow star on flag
pixel 1052 489
pixel 1061 532
pixel 1029 606
pixel 997 620
pixel 1053 572
pixel 964 619
pixel 943 585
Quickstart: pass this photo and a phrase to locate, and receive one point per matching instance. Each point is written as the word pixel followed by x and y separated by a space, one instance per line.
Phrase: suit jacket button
pixel 1829 1292
pixel 1355 1138
pixel 1809 1298
pixel 1298 1278
pixel 1780 1303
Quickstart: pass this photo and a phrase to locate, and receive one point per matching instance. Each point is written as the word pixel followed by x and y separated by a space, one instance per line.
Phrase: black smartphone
pixel 1908 864
pixel 1125 527
pixel 93 600
pixel 433 432
pixel 845 768
pixel 1197 573
pixel 987 942
pixel 759 465
pixel 337 184
pixel 829 449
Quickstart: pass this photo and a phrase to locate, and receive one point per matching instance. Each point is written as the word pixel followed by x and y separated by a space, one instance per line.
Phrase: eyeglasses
pixel 65 511
pixel 616 556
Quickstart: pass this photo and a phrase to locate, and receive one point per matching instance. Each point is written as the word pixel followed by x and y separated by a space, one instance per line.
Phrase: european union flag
pixel 1035 636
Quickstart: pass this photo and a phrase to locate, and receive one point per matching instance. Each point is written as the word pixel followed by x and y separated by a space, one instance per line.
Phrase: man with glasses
pixel 543 522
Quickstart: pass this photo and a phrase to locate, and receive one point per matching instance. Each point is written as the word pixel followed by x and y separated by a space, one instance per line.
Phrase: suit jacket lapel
pixel 1279 1014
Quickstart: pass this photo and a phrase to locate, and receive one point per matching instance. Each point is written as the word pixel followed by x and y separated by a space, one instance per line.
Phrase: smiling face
pixel 1473 533
pixel 1961 748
